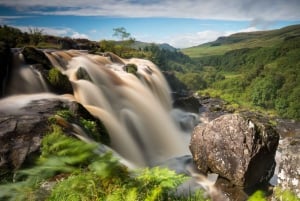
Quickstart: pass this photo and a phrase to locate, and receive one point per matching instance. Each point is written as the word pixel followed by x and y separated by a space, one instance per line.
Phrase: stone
pixel 288 169
pixel 5 70
pixel 24 120
pixel 189 104
pixel 238 147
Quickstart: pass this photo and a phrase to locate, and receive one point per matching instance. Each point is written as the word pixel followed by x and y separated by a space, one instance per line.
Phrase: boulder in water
pixel 238 147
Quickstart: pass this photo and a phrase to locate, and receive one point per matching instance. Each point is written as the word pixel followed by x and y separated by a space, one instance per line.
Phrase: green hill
pixel 257 70
pixel 243 40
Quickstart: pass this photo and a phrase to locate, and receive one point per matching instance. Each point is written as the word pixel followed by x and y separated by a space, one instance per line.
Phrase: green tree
pixel 121 33
pixel 36 35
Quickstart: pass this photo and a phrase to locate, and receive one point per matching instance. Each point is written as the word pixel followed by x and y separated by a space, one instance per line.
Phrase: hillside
pixel 258 70
pixel 162 46
pixel 243 40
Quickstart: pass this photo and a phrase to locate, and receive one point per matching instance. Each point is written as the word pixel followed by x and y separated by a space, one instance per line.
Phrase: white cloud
pixel 200 9
pixel 60 31
pixel 193 39
pixel 79 35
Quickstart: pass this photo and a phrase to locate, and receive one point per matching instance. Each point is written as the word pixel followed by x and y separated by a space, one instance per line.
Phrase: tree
pixel 36 35
pixel 121 33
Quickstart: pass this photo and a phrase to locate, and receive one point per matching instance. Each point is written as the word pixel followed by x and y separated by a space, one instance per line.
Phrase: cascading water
pixel 134 107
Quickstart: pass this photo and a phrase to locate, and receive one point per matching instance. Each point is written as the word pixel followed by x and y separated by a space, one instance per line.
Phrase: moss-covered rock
pixel 130 68
pixel 59 82
pixel 23 126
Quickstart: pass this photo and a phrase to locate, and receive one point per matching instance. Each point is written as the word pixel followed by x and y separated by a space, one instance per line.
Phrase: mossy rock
pixel 35 56
pixel 130 68
pixel 59 82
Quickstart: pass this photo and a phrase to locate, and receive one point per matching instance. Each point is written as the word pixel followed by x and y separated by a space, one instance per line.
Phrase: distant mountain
pixel 244 40
pixel 162 46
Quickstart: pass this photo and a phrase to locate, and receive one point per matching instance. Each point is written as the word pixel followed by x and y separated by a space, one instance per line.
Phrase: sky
pixel 180 23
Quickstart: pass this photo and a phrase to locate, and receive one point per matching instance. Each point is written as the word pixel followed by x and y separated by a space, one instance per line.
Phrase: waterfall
pixel 134 107
pixel 25 79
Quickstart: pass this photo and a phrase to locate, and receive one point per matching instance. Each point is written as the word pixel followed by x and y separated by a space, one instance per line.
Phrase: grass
pixel 242 40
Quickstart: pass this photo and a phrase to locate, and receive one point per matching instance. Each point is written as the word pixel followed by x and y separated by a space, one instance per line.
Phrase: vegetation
pixel 263 78
pixel 257 70
pixel 59 81
pixel 69 169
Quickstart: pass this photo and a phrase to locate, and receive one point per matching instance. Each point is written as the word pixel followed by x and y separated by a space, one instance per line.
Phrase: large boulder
pixel 238 147
pixel 24 120
pixel 288 169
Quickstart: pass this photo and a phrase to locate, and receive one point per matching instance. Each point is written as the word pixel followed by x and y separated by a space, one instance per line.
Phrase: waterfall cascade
pixel 135 107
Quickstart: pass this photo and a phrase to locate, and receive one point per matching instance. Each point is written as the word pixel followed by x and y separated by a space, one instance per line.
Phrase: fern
pixel 75 171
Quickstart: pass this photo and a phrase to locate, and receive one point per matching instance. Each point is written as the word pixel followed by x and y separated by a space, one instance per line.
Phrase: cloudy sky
pixel 181 23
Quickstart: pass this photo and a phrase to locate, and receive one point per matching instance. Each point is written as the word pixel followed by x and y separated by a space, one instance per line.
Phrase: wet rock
pixel 24 120
pixel 288 169
pixel 35 56
pixel 189 104
pixel 5 58
pixel 238 147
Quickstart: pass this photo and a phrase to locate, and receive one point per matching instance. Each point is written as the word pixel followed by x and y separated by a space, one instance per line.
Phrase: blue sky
pixel 181 23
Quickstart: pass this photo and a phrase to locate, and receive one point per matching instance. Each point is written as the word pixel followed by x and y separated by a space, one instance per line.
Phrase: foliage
pixel 93 128
pixel 286 195
pixel 262 77
pixel 36 35
pixel 75 171
pixel 121 33
pixel 59 81
pixel 257 196
pixel 131 68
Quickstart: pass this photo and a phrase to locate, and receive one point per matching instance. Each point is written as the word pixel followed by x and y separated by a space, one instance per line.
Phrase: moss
pixel 94 128
pixel 59 82
pixel 131 68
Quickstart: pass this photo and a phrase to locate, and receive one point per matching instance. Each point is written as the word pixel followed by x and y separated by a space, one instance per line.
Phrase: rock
pixel 288 169
pixel 5 58
pixel 24 120
pixel 189 104
pixel 35 56
pixel 237 147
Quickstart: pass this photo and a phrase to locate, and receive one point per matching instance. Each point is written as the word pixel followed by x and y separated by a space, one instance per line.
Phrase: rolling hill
pixel 243 40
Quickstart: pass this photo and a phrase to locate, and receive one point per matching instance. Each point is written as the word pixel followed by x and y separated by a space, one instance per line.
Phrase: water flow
pixel 25 79
pixel 134 108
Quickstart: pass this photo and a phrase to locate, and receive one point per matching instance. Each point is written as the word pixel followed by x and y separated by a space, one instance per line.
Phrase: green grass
pixel 242 40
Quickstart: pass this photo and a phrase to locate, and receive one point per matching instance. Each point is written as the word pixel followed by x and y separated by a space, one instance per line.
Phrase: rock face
pixel 190 104
pixel 23 123
pixel 289 169
pixel 237 147
pixel 5 58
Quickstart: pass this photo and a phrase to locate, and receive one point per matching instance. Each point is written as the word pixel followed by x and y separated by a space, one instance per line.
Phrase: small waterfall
pixel 25 79
pixel 135 108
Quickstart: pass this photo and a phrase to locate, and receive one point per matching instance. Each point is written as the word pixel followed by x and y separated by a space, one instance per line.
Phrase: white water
pixel 136 110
